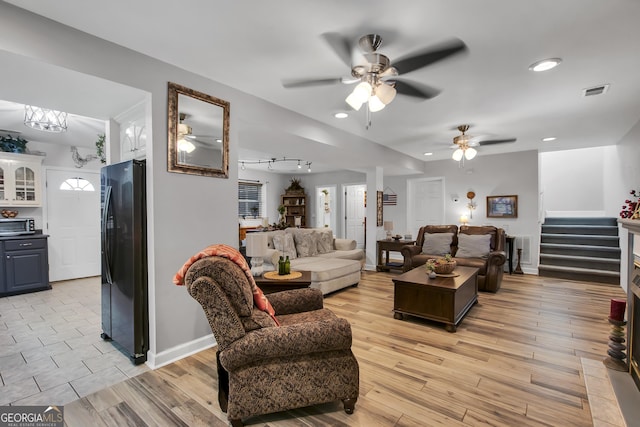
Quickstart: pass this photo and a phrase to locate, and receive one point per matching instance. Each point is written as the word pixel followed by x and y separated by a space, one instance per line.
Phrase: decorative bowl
pixel 441 266
pixel 8 213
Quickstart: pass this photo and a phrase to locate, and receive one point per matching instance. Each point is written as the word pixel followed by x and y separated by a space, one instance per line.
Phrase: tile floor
pixel 605 411
pixel 51 352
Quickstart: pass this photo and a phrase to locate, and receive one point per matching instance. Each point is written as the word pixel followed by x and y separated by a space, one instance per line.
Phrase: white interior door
pixel 355 213
pixel 425 203
pixel 73 223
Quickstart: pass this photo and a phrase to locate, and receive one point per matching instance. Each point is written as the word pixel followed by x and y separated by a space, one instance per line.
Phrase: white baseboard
pixel 155 361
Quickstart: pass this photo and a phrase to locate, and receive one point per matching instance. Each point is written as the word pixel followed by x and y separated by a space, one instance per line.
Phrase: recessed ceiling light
pixel 549 138
pixel 545 64
pixel 428 154
pixel 340 115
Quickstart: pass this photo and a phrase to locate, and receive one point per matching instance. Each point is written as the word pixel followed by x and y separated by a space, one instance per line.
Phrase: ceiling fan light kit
pixel 464 145
pixel 376 75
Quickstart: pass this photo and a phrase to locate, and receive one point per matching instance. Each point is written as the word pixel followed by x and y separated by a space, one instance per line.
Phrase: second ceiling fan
pixel 379 79
pixel 464 144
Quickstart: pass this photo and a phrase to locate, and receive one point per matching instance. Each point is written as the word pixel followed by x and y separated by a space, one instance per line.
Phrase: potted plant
pixel 100 148
pixel 295 186
pixel 13 145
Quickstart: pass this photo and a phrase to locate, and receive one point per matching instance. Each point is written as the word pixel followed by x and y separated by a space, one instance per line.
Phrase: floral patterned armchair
pixel 265 368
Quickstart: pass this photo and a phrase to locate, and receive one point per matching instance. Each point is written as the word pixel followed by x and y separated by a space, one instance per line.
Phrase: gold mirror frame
pixel 177 160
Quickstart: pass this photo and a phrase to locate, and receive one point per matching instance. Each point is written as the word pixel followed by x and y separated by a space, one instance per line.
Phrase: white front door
pixel 355 213
pixel 73 218
pixel 425 203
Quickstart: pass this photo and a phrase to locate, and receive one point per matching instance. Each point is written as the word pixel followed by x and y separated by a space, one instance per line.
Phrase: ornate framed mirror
pixel 198 126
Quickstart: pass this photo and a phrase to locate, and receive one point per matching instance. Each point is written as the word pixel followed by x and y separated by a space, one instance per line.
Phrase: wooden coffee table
pixel 443 299
pixel 270 286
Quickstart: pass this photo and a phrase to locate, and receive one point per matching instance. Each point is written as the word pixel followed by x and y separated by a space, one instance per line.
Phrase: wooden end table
pixel 443 299
pixel 270 286
pixel 390 245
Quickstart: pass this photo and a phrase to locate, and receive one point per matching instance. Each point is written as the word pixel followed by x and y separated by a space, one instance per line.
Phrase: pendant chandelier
pixel 44 119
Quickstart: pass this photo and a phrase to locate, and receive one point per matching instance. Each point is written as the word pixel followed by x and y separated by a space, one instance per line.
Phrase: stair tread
pixel 579 270
pixel 608 227
pixel 581 236
pixel 581 258
pixel 573 246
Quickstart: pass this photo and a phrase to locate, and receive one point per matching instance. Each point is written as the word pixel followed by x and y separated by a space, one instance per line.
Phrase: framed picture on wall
pixel 502 206
pixel 379 218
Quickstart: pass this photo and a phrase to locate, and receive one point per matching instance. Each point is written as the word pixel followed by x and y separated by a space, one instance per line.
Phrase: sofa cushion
pixel 306 244
pixel 345 244
pixel 473 245
pixel 283 242
pixel 437 243
pixel 325 241
pixel 323 269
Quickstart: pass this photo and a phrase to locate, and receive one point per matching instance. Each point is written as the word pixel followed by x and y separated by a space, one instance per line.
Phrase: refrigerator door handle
pixel 105 246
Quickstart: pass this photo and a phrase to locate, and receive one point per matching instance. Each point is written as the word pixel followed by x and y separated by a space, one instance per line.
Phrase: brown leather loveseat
pixel 481 247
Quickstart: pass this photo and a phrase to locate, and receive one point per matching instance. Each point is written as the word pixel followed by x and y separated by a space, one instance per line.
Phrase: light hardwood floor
pixel 514 360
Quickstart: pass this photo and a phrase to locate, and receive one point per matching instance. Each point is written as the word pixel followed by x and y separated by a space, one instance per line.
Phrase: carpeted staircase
pixel 585 249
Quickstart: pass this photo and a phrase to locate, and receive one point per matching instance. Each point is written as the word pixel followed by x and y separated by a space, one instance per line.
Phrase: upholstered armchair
pixel 265 368
pixel 481 247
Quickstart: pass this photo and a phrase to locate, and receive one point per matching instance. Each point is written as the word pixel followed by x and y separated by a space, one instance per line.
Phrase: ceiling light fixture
pixel 464 150
pixel 428 154
pixel 372 92
pixel 184 145
pixel 545 64
pixel 341 115
pixel 270 162
pixel 549 139
pixel 45 119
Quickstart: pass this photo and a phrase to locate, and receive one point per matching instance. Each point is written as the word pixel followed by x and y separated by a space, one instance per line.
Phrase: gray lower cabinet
pixel 25 265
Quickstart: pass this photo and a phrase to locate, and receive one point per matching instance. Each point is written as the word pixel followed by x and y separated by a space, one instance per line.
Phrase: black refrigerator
pixel 125 315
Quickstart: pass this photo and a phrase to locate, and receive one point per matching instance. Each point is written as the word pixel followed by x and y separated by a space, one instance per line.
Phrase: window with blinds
pixel 249 199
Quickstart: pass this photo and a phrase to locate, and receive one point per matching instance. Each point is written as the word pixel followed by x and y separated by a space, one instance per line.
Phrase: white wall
pixel 502 174
pixel 628 154
pixel 583 182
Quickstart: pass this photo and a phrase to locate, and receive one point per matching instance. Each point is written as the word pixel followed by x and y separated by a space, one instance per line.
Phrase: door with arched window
pixel 73 216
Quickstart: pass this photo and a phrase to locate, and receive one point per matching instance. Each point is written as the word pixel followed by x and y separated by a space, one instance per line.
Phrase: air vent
pixel 596 90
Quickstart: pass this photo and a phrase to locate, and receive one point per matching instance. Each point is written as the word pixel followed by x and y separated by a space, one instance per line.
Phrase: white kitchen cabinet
pixel 20 180
pixel 133 133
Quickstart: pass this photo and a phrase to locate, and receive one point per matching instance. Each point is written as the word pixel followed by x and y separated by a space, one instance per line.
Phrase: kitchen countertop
pixel 38 235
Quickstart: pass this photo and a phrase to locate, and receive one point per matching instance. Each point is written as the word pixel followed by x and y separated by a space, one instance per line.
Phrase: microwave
pixel 17 226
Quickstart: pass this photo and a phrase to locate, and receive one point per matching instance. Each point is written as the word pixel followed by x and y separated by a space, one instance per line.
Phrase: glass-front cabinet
pixel 20 177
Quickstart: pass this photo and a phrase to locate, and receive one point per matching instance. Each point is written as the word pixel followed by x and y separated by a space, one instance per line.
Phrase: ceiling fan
pixel 464 144
pixel 378 78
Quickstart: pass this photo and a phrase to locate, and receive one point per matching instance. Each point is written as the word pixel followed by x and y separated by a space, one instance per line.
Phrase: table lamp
pixel 256 249
pixel 388 226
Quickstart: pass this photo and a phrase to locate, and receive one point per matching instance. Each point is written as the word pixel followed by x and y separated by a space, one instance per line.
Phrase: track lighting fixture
pixel 270 162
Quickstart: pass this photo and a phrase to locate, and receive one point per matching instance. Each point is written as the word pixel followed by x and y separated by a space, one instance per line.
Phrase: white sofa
pixel 334 263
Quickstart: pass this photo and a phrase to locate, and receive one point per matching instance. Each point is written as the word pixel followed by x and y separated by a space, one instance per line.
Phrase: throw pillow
pixel 473 245
pixel 283 242
pixel 306 244
pixel 325 241
pixel 437 243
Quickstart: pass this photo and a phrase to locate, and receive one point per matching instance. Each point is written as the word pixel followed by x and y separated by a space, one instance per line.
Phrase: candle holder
pixel 617 348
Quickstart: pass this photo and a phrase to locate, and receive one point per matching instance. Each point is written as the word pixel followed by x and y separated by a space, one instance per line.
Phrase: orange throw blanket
pixel 232 254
